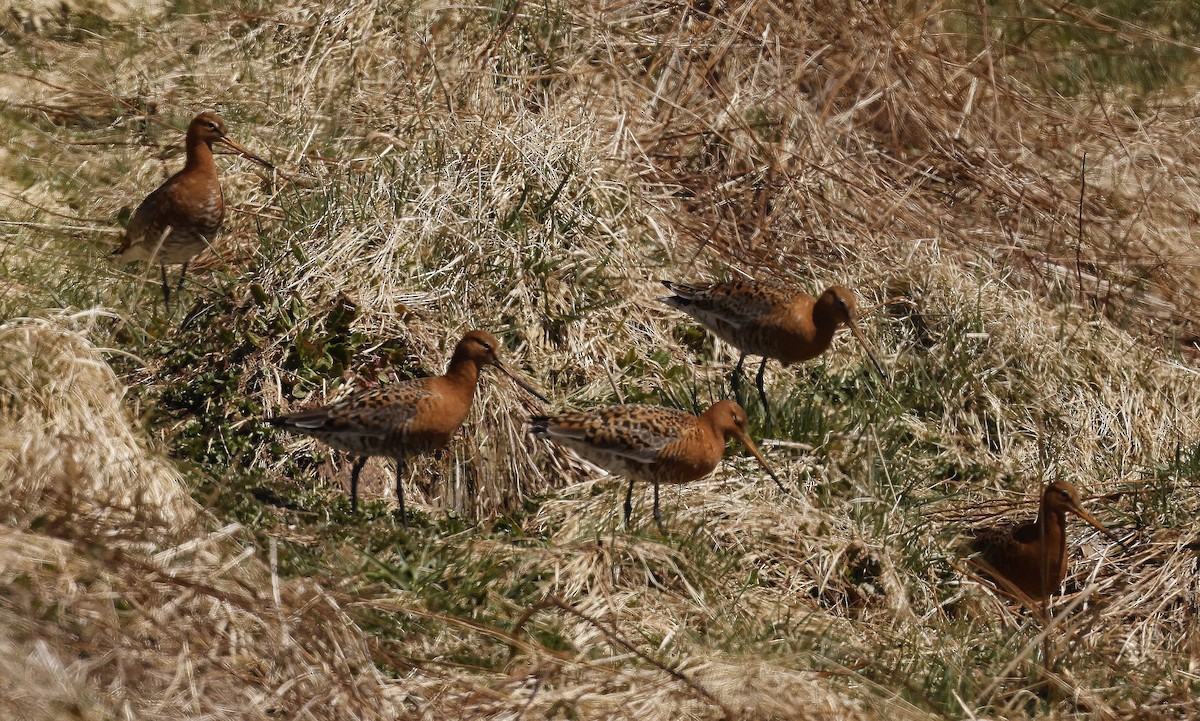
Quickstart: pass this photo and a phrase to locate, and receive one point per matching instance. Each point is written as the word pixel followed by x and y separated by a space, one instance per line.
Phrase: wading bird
pixel 179 220
pixel 651 443
pixel 766 320
pixel 403 419
pixel 1033 557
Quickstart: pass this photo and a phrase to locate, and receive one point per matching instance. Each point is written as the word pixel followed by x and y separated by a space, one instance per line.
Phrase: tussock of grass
pixel 67 439
pixel 116 598
pixel 533 169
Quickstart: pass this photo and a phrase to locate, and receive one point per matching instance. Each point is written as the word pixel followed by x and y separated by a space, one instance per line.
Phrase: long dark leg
pixel 358 466
pixel 400 466
pixel 762 392
pixel 166 288
pixel 657 512
pixel 735 381
pixel 182 275
pixel 628 502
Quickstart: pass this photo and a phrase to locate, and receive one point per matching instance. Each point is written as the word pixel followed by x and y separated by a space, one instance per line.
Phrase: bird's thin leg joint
pixel 400 466
pixel 735 381
pixel 628 502
pixel 657 512
pixel 358 466
pixel 182 275
pixel 762 392
pixel 166 289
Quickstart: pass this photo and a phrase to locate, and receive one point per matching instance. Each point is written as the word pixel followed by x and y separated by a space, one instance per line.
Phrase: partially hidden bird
pixel 177 221
pixel 650 443
pixel 1032 557
pixel 763 319
pixel 404 419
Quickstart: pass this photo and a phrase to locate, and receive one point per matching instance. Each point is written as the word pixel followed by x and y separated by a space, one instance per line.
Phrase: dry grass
pixel 532 169
pixel 117 600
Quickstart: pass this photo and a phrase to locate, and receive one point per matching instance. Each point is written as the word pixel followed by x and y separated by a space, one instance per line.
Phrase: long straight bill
pixel 247 153
pixel 1098 526
pixel 867 347
pixel 749 444
pixel 523 383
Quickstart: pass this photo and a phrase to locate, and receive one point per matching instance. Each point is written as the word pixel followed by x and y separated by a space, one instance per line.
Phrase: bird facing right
pixel 177 221
pixel 651 443
pixel 766 320
pixel 404 419
pixel 1033 557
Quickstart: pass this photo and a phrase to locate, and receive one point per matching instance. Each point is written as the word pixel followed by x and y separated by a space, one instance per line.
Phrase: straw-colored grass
pixel 534 169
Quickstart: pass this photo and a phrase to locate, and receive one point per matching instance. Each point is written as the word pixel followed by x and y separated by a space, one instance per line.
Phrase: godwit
pixel 404 419
pixel 651 443
pixel 180 218
pixel 1033 557
pixel 765 320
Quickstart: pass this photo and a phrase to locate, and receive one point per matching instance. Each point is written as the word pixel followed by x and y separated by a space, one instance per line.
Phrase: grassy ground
pixel 1018 204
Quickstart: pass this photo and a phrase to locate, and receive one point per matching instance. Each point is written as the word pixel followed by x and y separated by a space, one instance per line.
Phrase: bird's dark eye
pixel 486 345
pixel 213 126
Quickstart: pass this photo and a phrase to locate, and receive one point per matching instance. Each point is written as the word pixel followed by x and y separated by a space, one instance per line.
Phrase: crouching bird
pixel 1033 557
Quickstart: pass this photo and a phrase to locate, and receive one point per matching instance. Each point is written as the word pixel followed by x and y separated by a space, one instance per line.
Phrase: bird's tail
pixel 300 421
pixel 119 254
pixel 540 425
pixel 684 294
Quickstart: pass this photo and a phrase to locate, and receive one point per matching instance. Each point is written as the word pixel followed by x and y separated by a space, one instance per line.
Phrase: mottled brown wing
pixel 736 311
pixel 736 302
pixel 375 412
pixel 1012 552
pixel 192 211
pixel 993 537
pixel 633 432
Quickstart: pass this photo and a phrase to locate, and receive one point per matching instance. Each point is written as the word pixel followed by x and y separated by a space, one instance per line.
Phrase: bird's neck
pixel 463 374
pixel 1050 529
pixel 824 316
pixel 199 155
pixel 714 437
